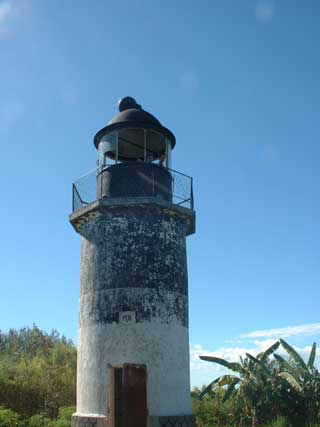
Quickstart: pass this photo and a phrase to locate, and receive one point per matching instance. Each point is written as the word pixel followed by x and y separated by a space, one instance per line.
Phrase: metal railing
pixel 129 180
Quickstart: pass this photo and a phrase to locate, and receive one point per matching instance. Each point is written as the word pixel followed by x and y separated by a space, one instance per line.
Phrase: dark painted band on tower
pixel 134 259
pixel 104 307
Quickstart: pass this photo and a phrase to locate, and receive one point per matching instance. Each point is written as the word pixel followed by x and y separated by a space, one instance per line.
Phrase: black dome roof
pixel 135 115
pixel 132 115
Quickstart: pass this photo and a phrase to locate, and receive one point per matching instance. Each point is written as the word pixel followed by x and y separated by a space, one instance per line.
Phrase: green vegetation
pixel 38 378
pixel 263 391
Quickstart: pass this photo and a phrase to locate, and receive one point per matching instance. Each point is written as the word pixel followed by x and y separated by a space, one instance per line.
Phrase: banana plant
pixel 299 385
pixel 263 389
pixel 252 385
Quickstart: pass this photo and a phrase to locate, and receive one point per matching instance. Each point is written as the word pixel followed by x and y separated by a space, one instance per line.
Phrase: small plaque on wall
pixel 127 317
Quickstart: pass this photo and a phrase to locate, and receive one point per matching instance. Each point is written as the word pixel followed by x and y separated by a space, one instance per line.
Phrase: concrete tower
pixel 133 213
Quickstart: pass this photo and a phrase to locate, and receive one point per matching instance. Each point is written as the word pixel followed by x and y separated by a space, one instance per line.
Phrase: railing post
pixel 173 183
pixel 191 193
pixel 72 197
pixel 99 184
pixel 144 145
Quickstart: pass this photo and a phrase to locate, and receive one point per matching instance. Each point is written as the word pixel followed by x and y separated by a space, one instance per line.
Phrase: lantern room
pixel 134 135
pixel 134 155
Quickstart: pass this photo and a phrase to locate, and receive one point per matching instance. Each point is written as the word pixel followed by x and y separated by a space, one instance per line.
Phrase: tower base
pixel 153 421
pixel 175 421
pixel 88 421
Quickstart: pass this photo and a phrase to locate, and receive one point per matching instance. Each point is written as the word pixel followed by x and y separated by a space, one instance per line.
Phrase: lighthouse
pixel 133 212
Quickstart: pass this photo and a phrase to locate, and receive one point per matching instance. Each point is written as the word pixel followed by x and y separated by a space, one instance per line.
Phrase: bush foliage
pixel 37 373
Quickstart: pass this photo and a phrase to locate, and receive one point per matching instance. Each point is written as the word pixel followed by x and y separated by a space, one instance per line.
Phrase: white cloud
pixel 254 342
pixel 289 331
pixel 264 11
pixel 232 354
pixel 5 9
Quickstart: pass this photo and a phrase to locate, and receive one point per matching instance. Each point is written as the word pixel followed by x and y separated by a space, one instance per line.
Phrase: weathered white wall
pixel 162 347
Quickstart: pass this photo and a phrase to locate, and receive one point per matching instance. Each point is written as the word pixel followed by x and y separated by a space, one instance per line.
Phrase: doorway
pixel 128 396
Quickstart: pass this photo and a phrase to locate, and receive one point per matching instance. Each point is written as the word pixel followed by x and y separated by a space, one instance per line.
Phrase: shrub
pixel 40 421
pixel 9 418
pixel 64 418
pixel 279 422
pixel 211 412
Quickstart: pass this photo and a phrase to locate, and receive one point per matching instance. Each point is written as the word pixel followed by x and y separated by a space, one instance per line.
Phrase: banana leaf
pixel 208 388
pixel 259 363
pixel 236 367
pixel 230 389
pixel 285 365
pixel 291 381
pixel 295 356
pixel 270 350
pixel 312 356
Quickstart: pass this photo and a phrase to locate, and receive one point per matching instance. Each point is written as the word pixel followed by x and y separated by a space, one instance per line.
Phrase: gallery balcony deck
pixel 136 183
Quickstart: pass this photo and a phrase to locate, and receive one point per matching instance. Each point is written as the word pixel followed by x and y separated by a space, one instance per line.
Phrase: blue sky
pixel 238 84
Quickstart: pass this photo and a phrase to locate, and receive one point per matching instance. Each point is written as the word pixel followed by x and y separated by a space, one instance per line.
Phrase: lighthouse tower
pixel 133 213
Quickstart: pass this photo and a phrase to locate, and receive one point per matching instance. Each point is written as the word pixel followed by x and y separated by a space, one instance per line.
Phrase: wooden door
pixel 118 407
pixel 128 396
pixel 134 395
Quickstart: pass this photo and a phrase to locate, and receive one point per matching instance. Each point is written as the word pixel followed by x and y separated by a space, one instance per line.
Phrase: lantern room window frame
pixel 108 149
